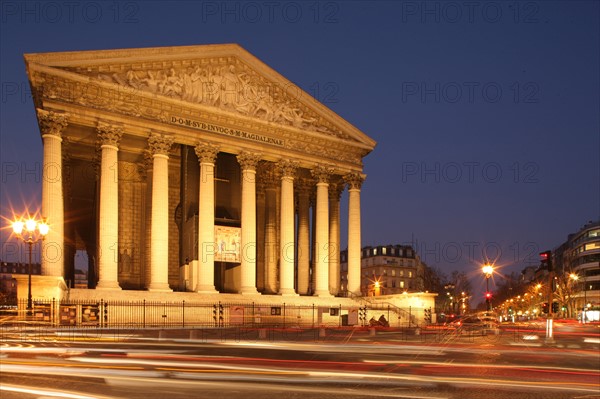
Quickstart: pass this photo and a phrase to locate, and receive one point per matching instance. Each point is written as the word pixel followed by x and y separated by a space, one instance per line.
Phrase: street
pixel 218 364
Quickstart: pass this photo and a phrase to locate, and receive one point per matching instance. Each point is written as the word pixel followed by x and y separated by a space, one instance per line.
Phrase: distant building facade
pixel 386 270
pixel 580 255
pixel 8 271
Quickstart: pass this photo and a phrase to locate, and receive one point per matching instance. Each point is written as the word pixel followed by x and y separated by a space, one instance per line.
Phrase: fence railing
pixel 182 314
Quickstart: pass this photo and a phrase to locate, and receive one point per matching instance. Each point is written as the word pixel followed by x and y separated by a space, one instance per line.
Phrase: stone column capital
pixel 248 160
pixel 354 180
pixel 145 164
pixel 287 167
pixel 304 186
pixel 268 174
pixel 206 152
pixel 159 143
pixel 109 134
pixel 322 173
pixel 51 122
pixel 335 190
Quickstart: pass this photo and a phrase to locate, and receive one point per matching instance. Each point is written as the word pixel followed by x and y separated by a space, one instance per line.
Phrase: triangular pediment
pixel 224 77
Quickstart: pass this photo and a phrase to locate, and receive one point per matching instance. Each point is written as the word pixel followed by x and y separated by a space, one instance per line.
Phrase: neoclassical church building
pixel 194 168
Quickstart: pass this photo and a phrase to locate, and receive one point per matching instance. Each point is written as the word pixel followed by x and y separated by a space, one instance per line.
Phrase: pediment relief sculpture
pixel 232 87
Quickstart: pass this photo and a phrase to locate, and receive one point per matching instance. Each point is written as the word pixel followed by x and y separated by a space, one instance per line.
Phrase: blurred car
pixel 447 318
pixel 481 323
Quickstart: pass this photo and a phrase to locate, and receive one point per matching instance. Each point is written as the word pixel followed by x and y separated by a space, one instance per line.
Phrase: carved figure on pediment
pixel 297 119
pixel 193 88
pixel 173 84
pixel 133 79
pixel 262 109
pixel 228 86
pixel 150 81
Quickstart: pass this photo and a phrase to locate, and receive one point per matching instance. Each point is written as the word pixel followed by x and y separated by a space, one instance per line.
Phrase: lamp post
pixel 31 225
pixel 450 287
pixel 488 270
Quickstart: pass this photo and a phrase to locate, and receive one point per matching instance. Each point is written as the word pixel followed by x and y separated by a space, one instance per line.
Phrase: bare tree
pixel 563 294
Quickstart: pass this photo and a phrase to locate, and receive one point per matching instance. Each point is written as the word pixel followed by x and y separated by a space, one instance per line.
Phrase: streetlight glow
pixel 43 227
pixel 30 225
pixel 18 227
pixel 488 270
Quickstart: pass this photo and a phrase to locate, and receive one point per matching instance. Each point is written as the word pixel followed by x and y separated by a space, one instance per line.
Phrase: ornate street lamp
pixel 35 230
pixel 488 270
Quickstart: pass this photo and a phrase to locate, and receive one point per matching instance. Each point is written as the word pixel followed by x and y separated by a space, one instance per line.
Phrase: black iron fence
pixel 184 314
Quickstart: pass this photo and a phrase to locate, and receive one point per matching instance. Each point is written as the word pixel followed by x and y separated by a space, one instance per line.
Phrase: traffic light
pixel 546 260
pixel 554 307
pixel 428 315
pixel 488 296
pixel 545 307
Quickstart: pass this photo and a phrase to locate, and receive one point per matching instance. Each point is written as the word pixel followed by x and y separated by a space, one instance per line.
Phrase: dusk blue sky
pixel 486 114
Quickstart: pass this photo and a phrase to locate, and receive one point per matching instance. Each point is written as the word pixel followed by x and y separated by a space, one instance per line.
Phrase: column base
pixel 108 285
pixel 206 289
pixel 160 287
pixel 249 291
pixel 323 294
pixel 287 292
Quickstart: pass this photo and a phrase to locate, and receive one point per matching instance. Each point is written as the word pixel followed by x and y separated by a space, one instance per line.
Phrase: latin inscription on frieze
pixel 209 127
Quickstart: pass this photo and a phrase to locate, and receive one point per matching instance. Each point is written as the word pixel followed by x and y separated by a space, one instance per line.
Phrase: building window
pixel 393 273
pixel 401 284
pixel 401 273
pixel 409 274
pixel 393 251
pixel 384 251
pixel 374 251
pixel 591 246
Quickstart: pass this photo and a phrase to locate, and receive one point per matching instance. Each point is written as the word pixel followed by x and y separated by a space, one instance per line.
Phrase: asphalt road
pixel 386 364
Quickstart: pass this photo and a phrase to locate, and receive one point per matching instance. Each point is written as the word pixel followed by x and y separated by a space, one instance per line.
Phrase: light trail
pixel 46 392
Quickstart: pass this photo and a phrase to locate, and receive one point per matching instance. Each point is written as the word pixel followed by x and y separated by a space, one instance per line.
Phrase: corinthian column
pixel 303 190
pixel 207 155
pixel 286 240
pixel 108 243
pixel 269 177
pixel 335 192
pixel 248 164
pixel 52 125
pixel 354 181
pixel 159 226
pixel 322 174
